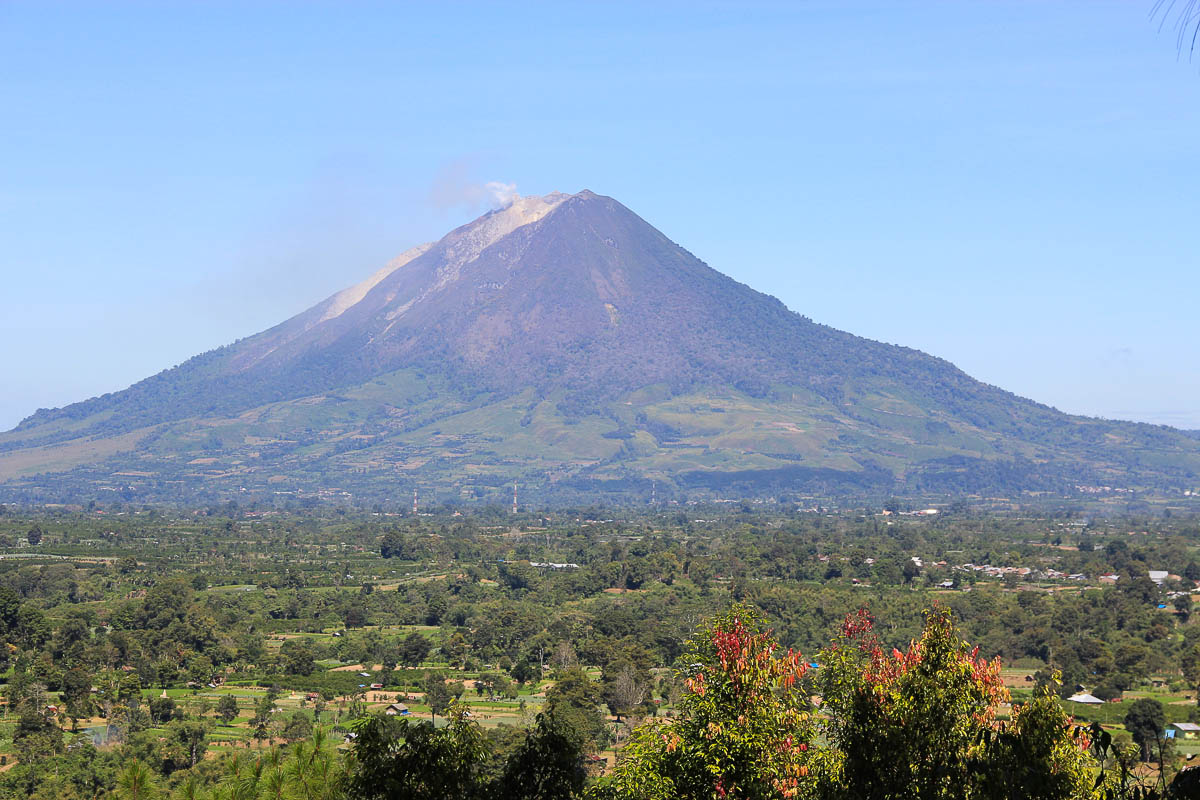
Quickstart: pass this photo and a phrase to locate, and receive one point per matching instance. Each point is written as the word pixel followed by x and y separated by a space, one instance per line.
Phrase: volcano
pixel 564 343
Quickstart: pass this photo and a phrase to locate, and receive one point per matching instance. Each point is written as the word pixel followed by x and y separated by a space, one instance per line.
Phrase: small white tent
pixel 1085 698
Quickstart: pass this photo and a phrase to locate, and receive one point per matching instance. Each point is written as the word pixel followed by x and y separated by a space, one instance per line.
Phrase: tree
pixel 10 609
pixel 1037 755
pixel 262 716
pixel 524 672
pixel 162 710
pixel 574 700
pixel 563 657
pixel 355 616
pixel 402 758
pixel 297 727
pixel 437 695
pixel 455 649
pixel 184 744
pixel 135 782
pixel 358 707
pixel 904 722
pixel 203 706
pixel 1145 721
pixel 392 544
pixel 296 657
pixel 168 673
pixel 200 669
pixel 494 685
pixel 625 691
pixel 744 729
pixel 227 708
pixel 414 649
pixel 77 693
pixel 36 737
pixel 435 609
pixel 547 765
pixel 1187 23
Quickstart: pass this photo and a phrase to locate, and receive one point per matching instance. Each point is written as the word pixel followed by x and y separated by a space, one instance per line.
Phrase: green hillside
pixel 379 440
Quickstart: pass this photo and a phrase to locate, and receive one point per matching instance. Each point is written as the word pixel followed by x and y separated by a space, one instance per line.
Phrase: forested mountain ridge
pixel 565 342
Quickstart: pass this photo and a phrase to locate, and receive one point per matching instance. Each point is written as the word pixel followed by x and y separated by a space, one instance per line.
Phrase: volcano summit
pixel 564 343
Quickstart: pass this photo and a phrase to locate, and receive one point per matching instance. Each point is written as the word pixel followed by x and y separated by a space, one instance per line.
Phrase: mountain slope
pixel 594 350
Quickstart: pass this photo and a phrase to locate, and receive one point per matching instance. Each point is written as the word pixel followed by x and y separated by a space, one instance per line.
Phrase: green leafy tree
pixel 77 694
pixel 227 708
pixel 129 689
pixel 397 757
pixel 1190 664
pixel 437 694
pixel 392 544
pixel 297 727
pixel 414 649
pixel 357 708
pixel 906 724
pixel 36 736
pixel 354 615
pixel 744 729
pixel 162 710
pixel 456 649
pixel 1039 754
pixel 547 765
pixel 1145 721
pixel 525 672
pixel 168 673
pixel 296 657
pixel 261 721
pixel 574 701
pixel 184 743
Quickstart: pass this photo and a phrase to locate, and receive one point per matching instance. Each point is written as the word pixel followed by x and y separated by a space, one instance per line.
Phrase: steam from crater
pixel 455 187
pixel 501 195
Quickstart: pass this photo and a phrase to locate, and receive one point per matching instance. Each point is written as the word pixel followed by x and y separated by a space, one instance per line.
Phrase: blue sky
pixel 1011 186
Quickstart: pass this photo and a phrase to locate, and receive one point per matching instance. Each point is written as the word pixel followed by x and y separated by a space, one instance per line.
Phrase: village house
pixel 1183 730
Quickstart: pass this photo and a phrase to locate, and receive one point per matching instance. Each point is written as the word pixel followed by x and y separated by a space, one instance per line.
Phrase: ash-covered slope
pixel 564 291
pixel 574 299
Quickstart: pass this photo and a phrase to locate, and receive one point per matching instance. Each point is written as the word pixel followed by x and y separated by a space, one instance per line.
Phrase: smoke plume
pixel 455 187
pixel 501 195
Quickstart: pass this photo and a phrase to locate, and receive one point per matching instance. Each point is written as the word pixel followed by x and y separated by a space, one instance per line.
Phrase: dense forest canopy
pixel 181 649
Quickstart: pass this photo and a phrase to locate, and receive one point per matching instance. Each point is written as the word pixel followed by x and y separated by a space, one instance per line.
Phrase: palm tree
pixel 1187 21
